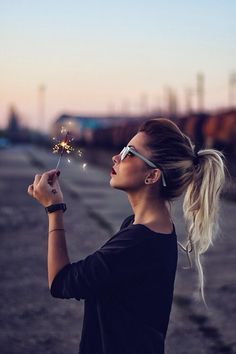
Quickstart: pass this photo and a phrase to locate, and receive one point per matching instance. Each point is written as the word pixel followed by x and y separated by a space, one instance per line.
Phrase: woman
pixel 128 283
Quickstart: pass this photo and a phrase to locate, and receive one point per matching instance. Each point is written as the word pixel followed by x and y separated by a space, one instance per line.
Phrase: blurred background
pixel 98 70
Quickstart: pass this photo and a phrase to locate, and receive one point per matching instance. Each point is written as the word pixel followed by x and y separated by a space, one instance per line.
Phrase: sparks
pixel 63 146
pixel 63 130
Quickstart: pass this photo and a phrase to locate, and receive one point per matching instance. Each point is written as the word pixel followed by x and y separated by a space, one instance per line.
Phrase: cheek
pixel 129 176
pixel 134 168
pixel 133 172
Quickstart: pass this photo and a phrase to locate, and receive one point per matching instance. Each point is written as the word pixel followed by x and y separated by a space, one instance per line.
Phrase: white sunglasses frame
pixel 124 152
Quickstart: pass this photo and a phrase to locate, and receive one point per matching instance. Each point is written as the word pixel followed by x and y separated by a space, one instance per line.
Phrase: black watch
pixel 55 207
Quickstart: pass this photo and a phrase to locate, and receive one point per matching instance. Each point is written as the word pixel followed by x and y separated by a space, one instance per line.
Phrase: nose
pixel 115 158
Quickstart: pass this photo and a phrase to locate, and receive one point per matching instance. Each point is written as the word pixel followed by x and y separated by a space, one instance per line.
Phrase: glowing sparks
pixel 65 146
pixel 63 130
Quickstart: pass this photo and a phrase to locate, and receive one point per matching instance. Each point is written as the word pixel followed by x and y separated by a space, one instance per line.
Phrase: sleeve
pixel 99 272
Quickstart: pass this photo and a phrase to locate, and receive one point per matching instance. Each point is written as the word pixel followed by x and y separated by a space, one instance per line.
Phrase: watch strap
pixel 55 207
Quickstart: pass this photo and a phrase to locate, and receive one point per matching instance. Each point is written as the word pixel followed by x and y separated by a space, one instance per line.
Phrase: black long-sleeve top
pixel 128 287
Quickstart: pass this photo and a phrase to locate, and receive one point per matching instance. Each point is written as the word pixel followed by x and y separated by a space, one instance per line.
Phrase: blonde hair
pixel 201 175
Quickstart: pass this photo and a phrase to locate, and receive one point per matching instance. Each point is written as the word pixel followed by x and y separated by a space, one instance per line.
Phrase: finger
pixel 37 179
pixel 50 173
pixel 50 176
pixel 31 190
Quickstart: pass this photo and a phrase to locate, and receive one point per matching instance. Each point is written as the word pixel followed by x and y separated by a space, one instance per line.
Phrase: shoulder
pixel 127 221
pixel 125 238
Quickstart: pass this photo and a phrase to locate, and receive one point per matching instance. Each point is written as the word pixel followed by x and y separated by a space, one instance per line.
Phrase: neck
pixel 147 208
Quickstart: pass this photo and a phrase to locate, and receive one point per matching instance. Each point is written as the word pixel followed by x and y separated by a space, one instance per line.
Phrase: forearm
pixel 57 250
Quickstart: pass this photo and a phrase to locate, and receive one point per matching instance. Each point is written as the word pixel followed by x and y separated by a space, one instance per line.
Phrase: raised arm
pixel 46 190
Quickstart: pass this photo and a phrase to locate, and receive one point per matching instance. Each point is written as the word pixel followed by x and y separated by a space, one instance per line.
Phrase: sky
pixel 96 57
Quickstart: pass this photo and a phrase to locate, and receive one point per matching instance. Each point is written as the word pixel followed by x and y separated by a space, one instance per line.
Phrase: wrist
pixel 52 201
pixel 55 213
pixel 56 220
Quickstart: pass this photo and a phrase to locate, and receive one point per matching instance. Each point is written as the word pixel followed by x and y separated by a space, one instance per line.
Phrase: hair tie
pixel 195 157
pixel 195 160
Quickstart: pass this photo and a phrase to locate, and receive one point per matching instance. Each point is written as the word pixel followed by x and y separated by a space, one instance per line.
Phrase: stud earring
pixel 146 181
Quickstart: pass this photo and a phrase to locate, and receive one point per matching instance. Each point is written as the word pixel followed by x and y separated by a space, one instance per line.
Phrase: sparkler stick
pixel 58 162
pixel 63 145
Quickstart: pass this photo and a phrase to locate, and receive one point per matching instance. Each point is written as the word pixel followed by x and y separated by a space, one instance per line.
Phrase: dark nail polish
pixel 58 173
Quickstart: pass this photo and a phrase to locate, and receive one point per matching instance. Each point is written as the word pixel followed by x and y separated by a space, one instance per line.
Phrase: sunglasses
pixel 129 150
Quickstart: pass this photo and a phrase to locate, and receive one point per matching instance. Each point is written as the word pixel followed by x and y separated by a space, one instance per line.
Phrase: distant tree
pixel 13 121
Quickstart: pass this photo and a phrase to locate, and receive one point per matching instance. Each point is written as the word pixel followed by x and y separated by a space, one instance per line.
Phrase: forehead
pixel 139 142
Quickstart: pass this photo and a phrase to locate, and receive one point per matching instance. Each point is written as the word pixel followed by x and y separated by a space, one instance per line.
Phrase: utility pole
pixel 188 99
pixel 111 109
pixel 125 107
pixel 157 107
pixel 232 85
pixel 200 92
pixel 172 102
pixel 165 104
pixel 41 108
pixel 143 104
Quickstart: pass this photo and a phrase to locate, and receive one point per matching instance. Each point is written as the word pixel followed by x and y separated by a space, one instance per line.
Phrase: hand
pixel 46 189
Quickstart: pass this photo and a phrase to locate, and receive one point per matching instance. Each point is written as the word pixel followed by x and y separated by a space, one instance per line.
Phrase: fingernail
pixel 58 173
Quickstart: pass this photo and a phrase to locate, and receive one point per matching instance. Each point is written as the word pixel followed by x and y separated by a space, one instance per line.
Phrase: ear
pixel 154 176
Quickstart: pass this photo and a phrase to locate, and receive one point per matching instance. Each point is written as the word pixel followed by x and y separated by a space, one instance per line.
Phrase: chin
pixel 115 185
pixel 112 183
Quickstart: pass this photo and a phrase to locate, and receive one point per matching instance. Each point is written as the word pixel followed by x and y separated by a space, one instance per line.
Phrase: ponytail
pixel 201 205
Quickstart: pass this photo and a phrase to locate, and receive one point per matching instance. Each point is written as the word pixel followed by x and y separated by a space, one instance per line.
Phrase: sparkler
pixel 65 146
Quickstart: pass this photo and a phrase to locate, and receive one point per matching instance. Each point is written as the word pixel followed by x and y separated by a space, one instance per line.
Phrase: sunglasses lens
pixel 123 153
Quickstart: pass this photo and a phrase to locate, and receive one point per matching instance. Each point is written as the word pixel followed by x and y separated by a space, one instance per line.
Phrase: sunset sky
pixel 100 56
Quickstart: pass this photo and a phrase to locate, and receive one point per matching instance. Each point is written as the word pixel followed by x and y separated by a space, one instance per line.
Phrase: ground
pixel 34 322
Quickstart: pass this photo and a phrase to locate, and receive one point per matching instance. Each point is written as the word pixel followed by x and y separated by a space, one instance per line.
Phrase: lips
pixel 113 171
